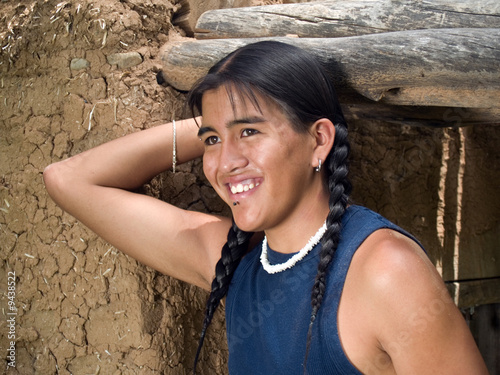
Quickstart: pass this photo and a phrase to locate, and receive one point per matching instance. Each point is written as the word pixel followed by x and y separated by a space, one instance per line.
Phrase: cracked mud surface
pixel 82 306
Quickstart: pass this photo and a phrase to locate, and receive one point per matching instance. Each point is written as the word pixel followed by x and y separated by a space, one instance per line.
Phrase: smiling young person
pixel 332 287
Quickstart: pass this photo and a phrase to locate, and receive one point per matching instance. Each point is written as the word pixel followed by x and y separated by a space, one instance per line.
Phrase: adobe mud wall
pixel 79 306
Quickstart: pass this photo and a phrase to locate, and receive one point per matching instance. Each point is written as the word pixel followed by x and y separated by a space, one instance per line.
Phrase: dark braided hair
pixel 340 187
pixel 231 254
pixel 297 83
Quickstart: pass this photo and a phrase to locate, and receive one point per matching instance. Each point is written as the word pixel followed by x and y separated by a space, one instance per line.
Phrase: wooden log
pixel 431 116
pixel 447 67
pixel 189 11
pixel 475 292
pixel 331 19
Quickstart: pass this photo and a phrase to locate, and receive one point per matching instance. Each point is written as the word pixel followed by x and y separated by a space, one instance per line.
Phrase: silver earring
pixel 318 168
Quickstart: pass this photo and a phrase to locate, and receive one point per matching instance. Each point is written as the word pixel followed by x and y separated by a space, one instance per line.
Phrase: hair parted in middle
pixel 297 83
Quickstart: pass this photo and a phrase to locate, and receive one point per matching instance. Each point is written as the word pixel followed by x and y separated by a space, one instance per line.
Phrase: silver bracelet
pixel 174 152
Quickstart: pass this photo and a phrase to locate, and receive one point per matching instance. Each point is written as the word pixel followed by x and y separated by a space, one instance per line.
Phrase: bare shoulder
pixel 412 315
pixel 389 258
pixel 397 276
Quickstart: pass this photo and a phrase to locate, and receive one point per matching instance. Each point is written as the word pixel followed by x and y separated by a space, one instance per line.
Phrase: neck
pixel 294 232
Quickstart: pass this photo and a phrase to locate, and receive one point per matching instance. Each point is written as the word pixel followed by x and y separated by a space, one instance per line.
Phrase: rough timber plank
pixel 444 68
pixel 331 19
pixel 476 292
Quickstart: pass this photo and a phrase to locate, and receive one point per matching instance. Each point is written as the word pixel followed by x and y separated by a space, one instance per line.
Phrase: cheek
pixel 209 169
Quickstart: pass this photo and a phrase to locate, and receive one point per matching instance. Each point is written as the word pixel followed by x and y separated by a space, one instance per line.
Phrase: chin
pixel 245 225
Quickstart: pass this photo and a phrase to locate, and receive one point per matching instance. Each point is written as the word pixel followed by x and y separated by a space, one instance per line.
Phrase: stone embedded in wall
pixel 79 64
pixel 125 60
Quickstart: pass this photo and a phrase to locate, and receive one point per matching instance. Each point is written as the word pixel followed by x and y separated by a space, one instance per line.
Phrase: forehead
pixel 236 101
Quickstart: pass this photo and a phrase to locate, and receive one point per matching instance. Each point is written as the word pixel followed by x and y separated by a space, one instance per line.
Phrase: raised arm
pixel 95 185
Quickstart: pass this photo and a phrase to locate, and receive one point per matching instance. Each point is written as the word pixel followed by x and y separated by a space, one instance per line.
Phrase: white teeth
pixel 240 188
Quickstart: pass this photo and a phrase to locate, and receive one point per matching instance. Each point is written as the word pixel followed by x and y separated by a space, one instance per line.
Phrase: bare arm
pixel 94 187
pixel 417 324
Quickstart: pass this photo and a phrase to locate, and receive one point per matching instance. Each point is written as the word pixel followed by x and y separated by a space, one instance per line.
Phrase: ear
pixel 323 132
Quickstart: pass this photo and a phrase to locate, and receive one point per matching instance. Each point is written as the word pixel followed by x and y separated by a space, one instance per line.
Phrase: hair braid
pixel 231 254
pixel 339 186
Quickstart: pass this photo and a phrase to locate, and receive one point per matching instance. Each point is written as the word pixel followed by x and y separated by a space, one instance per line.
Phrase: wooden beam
pixel 331 19
pixel 436 117
pixel 476 292
pixel 188 12
pixel 444 68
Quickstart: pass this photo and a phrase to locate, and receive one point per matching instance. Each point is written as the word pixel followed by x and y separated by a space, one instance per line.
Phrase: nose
pixel 232 156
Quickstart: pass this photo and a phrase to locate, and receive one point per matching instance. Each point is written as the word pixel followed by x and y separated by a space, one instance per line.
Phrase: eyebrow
pixel 230 124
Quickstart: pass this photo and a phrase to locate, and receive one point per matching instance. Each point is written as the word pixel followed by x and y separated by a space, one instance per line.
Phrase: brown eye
pixel 212 140
pixel 248 132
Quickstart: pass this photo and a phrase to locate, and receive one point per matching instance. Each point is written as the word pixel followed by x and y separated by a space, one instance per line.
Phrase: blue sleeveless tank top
pixel 267 315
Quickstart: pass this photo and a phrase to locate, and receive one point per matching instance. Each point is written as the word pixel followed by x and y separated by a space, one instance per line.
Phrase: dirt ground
pixel 75 305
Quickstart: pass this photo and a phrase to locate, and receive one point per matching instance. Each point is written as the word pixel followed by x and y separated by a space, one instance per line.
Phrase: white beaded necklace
pixel 275 268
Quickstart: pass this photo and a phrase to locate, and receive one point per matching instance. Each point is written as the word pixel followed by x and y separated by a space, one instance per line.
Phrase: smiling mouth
pixel 243 187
